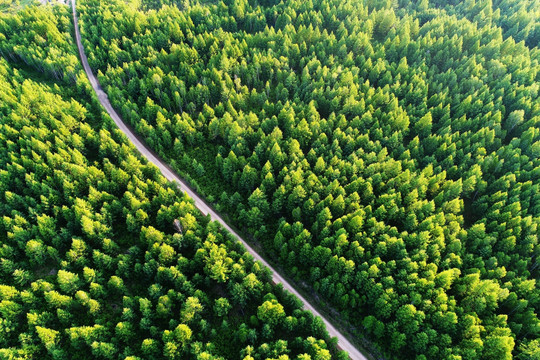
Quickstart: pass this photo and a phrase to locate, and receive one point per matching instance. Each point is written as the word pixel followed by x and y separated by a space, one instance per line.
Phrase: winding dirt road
pixel 343 343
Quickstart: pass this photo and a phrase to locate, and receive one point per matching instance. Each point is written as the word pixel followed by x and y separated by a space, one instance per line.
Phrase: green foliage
pixel 385 153
pixel 90 264
pixel 41 38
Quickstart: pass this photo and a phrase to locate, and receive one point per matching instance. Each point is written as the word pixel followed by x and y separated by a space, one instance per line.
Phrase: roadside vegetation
pixel 91 266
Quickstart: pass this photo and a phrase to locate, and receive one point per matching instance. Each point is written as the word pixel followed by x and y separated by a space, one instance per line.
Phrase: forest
pixel 384 153
pixel 91 266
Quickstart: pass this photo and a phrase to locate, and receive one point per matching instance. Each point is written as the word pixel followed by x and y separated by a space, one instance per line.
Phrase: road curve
pixel 170 175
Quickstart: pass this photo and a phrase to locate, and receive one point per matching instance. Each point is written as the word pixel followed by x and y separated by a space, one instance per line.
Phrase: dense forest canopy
pixel 91 266
pixel 386 153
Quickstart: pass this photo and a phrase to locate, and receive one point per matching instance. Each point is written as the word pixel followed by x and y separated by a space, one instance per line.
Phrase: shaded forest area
pixel 386 153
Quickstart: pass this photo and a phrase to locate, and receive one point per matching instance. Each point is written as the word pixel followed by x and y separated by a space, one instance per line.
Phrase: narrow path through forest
pixel 343 343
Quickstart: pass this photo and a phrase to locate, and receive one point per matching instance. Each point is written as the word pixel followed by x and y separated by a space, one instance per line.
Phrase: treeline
pixel 386 155
pixel 91 265
pixel 41 39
